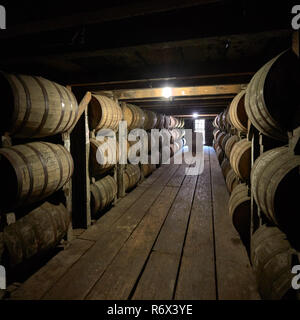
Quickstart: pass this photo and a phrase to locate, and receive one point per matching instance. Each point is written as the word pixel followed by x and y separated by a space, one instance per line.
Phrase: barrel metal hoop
pixel 28 104
pixel 62 107
pixel 68 125
pixel 46 98
pixel 40 156
pixel 103 105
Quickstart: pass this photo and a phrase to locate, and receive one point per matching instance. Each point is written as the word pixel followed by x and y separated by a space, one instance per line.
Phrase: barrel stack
pixel 34 171
pixel 264 179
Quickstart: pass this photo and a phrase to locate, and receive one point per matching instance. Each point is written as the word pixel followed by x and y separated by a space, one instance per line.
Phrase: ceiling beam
pixel 175 92
pixel 177 101
pixel 191 116
pixel 191 111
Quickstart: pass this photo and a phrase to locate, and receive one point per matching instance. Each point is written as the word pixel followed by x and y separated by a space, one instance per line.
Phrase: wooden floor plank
pixel 154 176
pixel 120 277
pixel 108 219
pixel 235 279
pixel 159 278
pixel 196 279
pixel 39 283
pixel 177 178
pixel 157 239
pixel 171 237
pixel 91 266
pixel 168 246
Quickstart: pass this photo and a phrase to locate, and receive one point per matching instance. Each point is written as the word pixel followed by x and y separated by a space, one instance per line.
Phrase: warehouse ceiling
pixel 122 45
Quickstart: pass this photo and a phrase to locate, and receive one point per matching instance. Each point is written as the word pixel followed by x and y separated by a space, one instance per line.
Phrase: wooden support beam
pixel 177 101
pixel 68 188
pixel 80 146
pixel 191 116
pixel 176 92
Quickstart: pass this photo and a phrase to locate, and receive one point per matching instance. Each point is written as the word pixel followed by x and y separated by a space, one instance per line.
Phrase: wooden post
pixel 120 179
pixel 68 188
pixel 294 141
pixel 80 149
pixel 296 43
pixel 120 168
pixel 255 153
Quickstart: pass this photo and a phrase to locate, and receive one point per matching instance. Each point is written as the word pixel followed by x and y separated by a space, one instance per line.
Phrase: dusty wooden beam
pixel 175 92
pixel 191 116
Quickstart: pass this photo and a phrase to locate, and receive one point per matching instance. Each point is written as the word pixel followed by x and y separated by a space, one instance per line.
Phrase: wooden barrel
pixel 215 124
pixel 132 176
pixel 272 261
pixel 147 169
pixel 134 116
pixel 160 121
pixel 150 120
pixel 231 180
pixel 225 121
pixel 216 134
pixel 37 232
pixel 167 122
pixel 237 112
pixel 219 153
pixel 34 107
pixel 106 151
pixel 225 166
pixel 240 212
pixel 1 247
pixel 229 145
pixel 32 171
pixel 152 142
pixel 220 121
pixel 176 134
pixel 220 138
pixel 275 182
pixel 104 113
pixel 272 97
pixel 215 144
pixel 172 122
pixel 224 141
pixel 240 159
pixel 175 147
pixel 182 123
pixel 103 193
pixel 138 145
